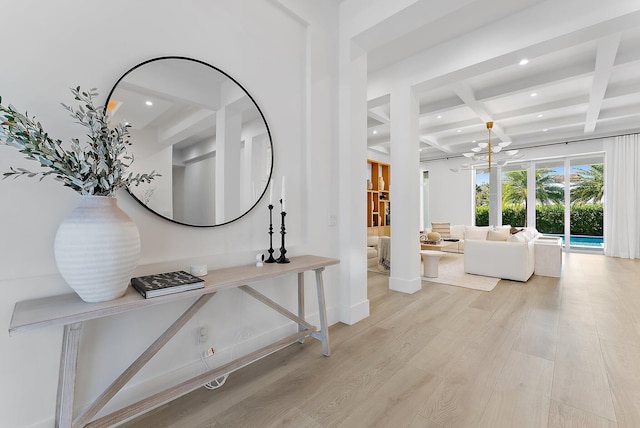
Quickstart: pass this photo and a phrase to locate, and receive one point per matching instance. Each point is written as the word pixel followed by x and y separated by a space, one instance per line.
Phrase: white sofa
pixel 460 232
pixel 512 259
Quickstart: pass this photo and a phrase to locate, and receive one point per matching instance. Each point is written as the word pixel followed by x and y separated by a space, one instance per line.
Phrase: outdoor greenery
pixel 586 214
pixel 96 168
pixel 514 188
pixel 585 219
pixel 589 185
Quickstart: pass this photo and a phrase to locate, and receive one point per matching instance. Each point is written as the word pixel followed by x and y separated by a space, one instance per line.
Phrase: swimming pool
pixel 583 241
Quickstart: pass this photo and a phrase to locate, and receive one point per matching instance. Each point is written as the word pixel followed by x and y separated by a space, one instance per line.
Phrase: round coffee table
pixel 430 260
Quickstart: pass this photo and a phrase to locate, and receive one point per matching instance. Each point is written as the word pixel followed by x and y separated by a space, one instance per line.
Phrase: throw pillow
pixel 498 235
pixel 476 232
pixel 516 237
pixel 444 229
pixel 457 231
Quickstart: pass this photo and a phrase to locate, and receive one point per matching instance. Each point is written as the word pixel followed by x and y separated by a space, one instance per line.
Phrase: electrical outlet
pixel 203 335
pixel 209 352
pixel 333 220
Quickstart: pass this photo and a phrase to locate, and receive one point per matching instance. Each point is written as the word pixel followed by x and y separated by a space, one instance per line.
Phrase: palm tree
pixel 482 195
pixel 588 185
pixel 514 190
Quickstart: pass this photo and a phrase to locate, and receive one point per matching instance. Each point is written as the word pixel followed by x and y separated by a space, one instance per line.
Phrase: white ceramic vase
pixel 97 248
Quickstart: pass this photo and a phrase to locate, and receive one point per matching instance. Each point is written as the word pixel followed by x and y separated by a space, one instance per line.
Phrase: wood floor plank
pixel 622 362
pixel 528 373
pixel 538 335
pixel 294 418
pixel 507 410
pixel 564 416
pixel 456 403
pixel 395 402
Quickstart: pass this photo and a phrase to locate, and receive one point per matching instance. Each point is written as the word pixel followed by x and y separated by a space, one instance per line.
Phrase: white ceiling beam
pixel 466 94
pixel 432 142
pixel 379 101
pixel 536 81
pixel 605 59
pixel 461 124
pixel 551 125
pixel 618 113
pixel 626 89
pixel 382 118
pixel 441 105
pixel 546 107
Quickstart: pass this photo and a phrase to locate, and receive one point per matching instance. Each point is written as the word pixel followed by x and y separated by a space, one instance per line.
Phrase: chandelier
pixel 487 152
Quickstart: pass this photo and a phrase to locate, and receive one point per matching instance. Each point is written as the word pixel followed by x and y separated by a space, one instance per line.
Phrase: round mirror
pixel 202 131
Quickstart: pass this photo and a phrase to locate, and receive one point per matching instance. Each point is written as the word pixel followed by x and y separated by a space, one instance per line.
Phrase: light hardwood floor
pixel 549 353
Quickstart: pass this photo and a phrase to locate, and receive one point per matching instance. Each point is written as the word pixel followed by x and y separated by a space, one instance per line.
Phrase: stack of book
pixel 161 284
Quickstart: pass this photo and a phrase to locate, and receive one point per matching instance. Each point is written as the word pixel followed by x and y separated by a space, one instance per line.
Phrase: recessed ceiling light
pixel 534 94
pixel 149 103
pixel 459 130
pixel 524 61
pixel 375 132
pixel 439 116
pixel 540 115
pixel 545 130
pixel 473 141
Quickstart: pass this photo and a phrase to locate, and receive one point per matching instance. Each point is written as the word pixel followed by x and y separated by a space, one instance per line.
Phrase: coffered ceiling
pixel 579 83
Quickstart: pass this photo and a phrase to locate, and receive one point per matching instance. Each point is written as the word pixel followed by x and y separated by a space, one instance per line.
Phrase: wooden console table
pixel 69 310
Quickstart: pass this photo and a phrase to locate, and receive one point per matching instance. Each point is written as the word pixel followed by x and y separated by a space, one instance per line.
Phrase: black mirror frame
pixel 254 103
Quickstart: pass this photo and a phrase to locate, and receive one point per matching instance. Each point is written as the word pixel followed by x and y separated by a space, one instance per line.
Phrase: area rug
pixel 451 272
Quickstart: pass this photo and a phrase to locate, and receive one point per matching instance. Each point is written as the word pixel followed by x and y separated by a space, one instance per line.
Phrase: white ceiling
pixel 586 77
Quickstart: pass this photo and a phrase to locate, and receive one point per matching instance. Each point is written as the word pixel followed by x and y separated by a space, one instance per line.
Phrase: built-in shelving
pixel 378 203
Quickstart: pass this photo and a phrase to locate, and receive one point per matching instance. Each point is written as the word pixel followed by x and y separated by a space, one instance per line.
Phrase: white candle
pixel 282 197
pixel 271 192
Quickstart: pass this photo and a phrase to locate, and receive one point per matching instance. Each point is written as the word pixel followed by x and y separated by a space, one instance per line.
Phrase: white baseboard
pixel 355 313
pixel 408 286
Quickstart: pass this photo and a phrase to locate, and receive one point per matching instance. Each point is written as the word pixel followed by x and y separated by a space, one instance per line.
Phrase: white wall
pixel 285 60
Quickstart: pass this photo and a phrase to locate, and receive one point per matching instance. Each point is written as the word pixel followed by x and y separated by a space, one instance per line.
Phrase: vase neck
pixel 98 201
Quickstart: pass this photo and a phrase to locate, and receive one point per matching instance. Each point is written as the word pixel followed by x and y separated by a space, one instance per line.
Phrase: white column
pixel 495 196
pixel 228 128
pixel 352 105
pixel 404 192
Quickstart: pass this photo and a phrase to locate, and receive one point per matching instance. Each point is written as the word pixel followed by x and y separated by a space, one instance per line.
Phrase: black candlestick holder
pixel 283 251
pixel 270 259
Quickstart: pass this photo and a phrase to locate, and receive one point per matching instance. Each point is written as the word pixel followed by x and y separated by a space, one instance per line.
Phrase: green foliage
pixel 550 219
pixel 586 219
pixel 482 194
pixel 97 168
pixel 588 185
pixel 515 216
pixel 482 216
pixel 514 188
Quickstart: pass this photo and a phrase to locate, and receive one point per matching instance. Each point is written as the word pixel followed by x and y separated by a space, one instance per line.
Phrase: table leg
pixel 322 307
pixel 67 375
pixel 301 301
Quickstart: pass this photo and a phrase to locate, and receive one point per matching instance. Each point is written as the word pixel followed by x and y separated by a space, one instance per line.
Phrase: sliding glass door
pixel 587 203
pixel 549 197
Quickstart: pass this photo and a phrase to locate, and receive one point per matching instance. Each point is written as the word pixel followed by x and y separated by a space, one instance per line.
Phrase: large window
pixel 561 197
pixel 587 198
pixel 482 198
pixel 549 193
pixel 514 195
